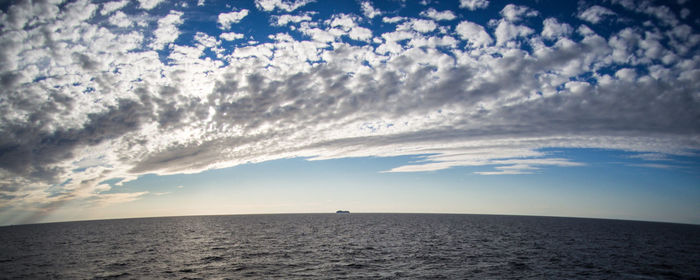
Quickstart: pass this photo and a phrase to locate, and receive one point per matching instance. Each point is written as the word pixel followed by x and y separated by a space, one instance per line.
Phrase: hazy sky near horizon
pixel 156 108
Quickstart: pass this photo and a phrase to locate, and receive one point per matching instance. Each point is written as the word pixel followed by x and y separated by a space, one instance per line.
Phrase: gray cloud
pixel 28 151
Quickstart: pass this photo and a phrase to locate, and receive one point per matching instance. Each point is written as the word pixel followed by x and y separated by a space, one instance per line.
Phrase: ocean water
pixel 351 246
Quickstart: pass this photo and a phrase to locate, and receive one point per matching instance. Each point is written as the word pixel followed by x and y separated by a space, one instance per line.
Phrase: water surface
pixel 351 246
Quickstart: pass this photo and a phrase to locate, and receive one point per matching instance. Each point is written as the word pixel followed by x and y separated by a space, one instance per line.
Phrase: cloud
pixel 343 20
pixel 369 11
pixel 360 34
pixel 117 198
pixel 87 97
pixel 225 20
pixel 230 36
pixel 514 13
pixel 149 4
pixel 167 30
pixel 652 156
pixel 554 29
pixel 506 31
pixel 507 160
pixel 662 13
pixel 595 14
pixel 109 7
pixel 286 19
pixel 473 4
pixel 420 25
pixel 120 19
pixel 392 19
pixel 434 14
pixel 475 34
pixel 286 5
pixel 655 165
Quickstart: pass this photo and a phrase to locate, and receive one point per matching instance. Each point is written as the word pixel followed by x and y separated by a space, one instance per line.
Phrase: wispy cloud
pixel 651 156
pixel 596 14
pixel 655 165
pixel 117 198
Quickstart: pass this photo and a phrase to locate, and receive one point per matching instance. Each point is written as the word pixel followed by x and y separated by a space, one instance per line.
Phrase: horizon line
pixel 351 212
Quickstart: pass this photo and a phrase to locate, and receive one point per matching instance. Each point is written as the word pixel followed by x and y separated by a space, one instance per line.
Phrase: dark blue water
pixel 351 246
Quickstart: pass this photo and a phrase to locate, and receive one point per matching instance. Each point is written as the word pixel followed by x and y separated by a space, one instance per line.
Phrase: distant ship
pixel 342 212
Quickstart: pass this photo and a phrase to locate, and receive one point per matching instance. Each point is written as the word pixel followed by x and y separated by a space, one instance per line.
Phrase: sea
pixel 351 246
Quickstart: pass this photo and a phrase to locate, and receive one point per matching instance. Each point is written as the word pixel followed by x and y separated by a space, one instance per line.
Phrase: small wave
pixel 662 266
pixel 117 264
pixel 356 265
pixel 210 259
pixel 114 276
pixel 519 266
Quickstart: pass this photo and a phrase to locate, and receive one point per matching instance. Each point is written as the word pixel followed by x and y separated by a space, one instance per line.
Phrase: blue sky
pixel 160 108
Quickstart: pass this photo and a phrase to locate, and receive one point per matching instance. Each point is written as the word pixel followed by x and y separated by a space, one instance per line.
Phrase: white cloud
pixel 109 7
pixel 651 157
pixel 205 40
pixel 120 19
pixel 344 21
pixel 393 19
pixel 423 25
pixel 160 193
pixel 473 33
pixel 434 14
pixel 655 165
pixel 473 4
pixel 225 20
pixel 514 13
pixel 506 31
pixel 554 29
pixel 320 35
pixel 167 30
pixel 286 19
pixel 596 14
pixel 116 198
pixel 149 4
pixel 434 41
pixel 286 5
pixel 360 34
pixel 231 36
pixel 506 160
pixel 369 11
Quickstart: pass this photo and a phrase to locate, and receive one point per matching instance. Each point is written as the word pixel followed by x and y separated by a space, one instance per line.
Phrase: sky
pixel 116 109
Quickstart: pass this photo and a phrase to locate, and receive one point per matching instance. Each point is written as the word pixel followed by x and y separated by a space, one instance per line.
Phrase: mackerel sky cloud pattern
pixel 93 91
